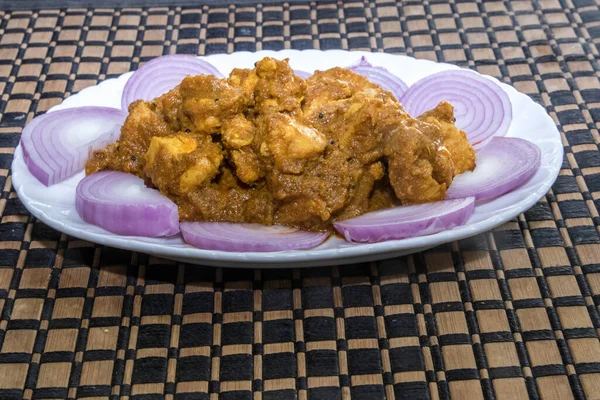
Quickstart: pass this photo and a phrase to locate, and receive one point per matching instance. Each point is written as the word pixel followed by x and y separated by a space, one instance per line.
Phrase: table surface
pixel 510 314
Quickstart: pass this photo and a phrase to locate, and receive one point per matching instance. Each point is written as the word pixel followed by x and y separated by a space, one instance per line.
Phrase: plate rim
pixel 298 258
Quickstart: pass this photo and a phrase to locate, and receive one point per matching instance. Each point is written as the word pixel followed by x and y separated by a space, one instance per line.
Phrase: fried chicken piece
pixel 455 140
pixel 419 168
pixel 180 164
pixel 199 105
pixel 345 106
pixel 226 200
pixel 368 124
pixel 335 84
pixel 308 200
pixel 246 80
pixel 127 154
pixel 207 102
pixel 237 132
pixel 237 135
pixel 290 142
pixel 247 164
pixel 278 89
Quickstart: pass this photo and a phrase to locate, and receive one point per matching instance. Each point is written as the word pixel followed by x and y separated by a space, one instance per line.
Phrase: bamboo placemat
pixel 511 314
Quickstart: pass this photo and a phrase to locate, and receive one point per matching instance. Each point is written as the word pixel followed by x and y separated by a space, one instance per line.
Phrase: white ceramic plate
pixel 55 205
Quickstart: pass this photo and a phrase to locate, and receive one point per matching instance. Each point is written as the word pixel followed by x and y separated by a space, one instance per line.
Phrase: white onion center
pixel 83 132
pixel 273 229
pixel 486 166
pixel 131 191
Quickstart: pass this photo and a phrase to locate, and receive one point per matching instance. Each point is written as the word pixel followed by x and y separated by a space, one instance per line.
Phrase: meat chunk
pixel 180 164
pixel 369 124
pixel 237 132
pixel 202 165
pixel 455 140
pixel 246 80
pixel 238 138
pixel 247 164
pixel 207 102
pixel 335 84
pixel 290 142
pixel 278 88
pixel 310 200
pixel 226 200
pixel 419 168
pixel 143 123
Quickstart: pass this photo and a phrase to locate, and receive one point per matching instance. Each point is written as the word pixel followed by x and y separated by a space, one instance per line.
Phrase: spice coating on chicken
pixel 268 147
pixel 455 140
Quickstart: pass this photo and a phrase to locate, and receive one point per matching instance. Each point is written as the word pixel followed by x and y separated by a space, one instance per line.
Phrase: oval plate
pixel 55 205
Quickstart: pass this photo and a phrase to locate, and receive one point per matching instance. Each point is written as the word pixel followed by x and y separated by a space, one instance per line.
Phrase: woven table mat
pixel 510 314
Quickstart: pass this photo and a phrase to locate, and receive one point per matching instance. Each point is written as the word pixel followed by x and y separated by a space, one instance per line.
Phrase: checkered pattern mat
pixel 510 314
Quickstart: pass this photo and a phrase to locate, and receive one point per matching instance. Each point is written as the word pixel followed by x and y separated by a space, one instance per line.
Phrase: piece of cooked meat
pixel 278 89
pixel 455 140
pixel 369 124
pixel 207 102
pixel 181 164
pixel 419 168
pixel 237 137
pixel 266 146
pixel 127 154
pixel 288 143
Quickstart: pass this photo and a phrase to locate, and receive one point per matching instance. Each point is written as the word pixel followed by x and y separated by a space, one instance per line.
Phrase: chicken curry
pixel 265 146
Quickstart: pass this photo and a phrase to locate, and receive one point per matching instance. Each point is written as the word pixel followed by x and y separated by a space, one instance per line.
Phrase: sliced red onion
pixel 406 221
pixel 56 145
pixel 120 203
pixel 380 76
pixel 226 236
pixel 302 74
pixel 504 164
pixel 481 107
pixel 162 74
